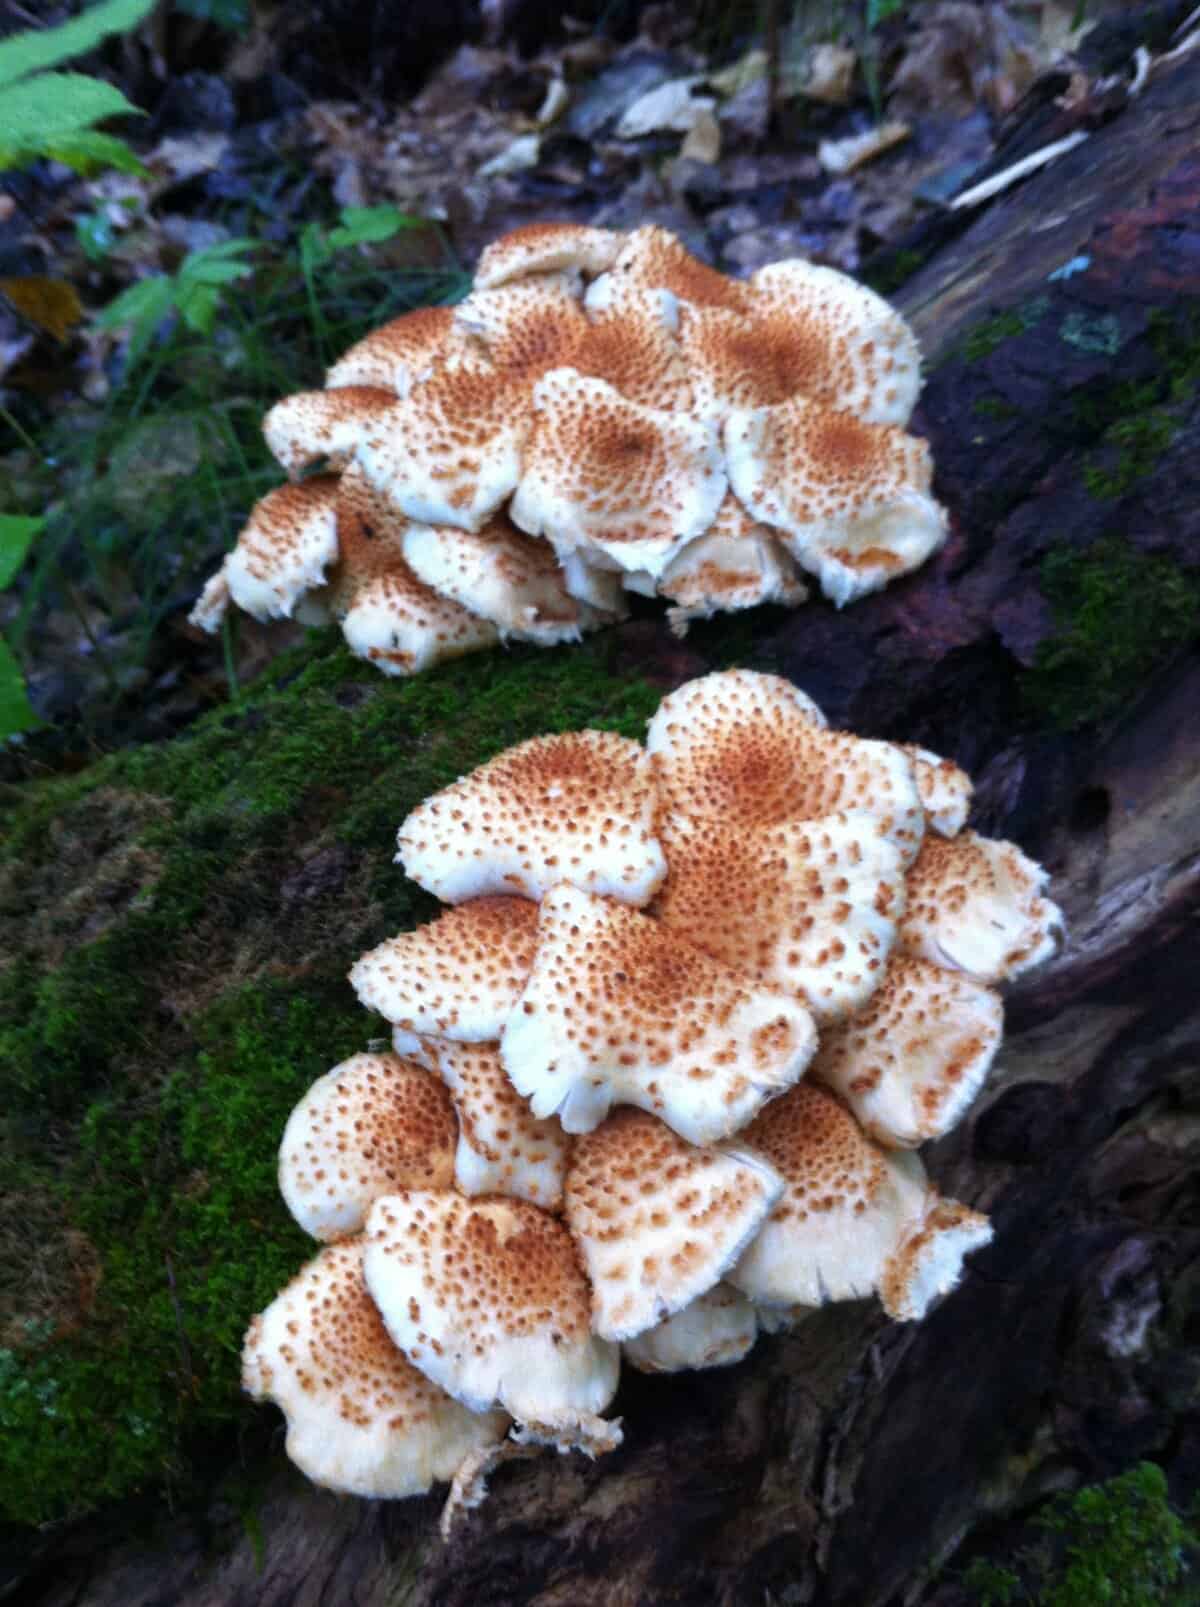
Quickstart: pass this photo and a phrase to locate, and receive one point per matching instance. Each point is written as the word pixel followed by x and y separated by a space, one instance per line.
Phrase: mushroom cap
pixel 212 604
pixel 456 977
pixel 975 904
pixel 658 1220
pixel 451 450
pixel 731 365
pixel 618 1010
pixel 626 485
pixel 852 499
pixel 578 807
pixel 809 906
pixel 526 326
pixel 910 1062
pixel 403 352
pixel 736 564
pixel 946 790
pixel 502 1147
pixel 502 575
pixel 387 615
pixel 360 1418
pixel 837 342
pixel 846 1206
pixel 368 1127
pixel 326 424
pixel 587 583
pixel 288 542
pixel 487 1297
pixel 635 347
pixel 650 258
pixel 545 248
pixel 929 1260
pixel 717 1329
pixel 752 748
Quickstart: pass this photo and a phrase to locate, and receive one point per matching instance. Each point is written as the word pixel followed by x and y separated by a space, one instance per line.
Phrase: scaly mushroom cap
pixel 360 1418
pixel 928 1263
pixel 913 1058
pixel 625 485
pixel 852 499
pixel 635 347
pixel 975 905
pixel 403 352
pixel 502 1147
pixel 717 1329
pixel 656 1219
pixel 546 248
pixel 618 1010
pixel 737 564
pixel 577 808
pixel 451 449
pixel 287 544
pixel 652 259
pixel 525 327
pixel 945 790
pixel 326 424
pixel 752 749
pixel 731 365
pixel 488 1299
pixel 387 615
pixel 809 906
pixel 370 1126
pixel 456 977
pixel 836 342
pixel 850 1215
pixel 502 575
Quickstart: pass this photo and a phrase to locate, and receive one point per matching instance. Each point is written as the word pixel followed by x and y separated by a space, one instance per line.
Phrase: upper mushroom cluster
pixel 659 1072
pixel 603 413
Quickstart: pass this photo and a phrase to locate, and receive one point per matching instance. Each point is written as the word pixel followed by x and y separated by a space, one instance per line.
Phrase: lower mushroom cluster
pixel 659 1073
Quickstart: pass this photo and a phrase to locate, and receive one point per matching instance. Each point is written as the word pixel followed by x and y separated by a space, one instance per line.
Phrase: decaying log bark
pixel 840 1464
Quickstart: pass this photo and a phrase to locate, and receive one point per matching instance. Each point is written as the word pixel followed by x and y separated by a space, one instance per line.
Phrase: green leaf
pixel 31 52
pixel 16 534
pixel 54 106
pixel 213 273
pixel 91 150
pixel 213 265
pixel 15 712
pixel 366 225
pixel 315 249
pixel 197 305
pixel 149 301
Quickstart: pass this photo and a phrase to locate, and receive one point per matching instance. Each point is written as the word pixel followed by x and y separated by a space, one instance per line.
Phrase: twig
pixel 1009 175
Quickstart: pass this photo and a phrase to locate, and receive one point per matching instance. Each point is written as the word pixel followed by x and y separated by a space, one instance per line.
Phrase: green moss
pixel 152 1089
pixel 1134 418
pixel 895 268
pixel 983 338
pixel 1119 614
pixel 1119 1543
pixel 180 1201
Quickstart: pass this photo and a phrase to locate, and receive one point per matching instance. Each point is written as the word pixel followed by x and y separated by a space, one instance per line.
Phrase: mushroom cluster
pixel 658 1074
pixel 602 414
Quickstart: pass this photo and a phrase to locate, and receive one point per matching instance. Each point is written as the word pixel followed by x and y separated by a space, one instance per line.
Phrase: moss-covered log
pixel 176 923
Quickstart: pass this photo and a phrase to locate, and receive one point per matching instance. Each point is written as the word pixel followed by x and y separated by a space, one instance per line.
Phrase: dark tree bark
pixel 839 1465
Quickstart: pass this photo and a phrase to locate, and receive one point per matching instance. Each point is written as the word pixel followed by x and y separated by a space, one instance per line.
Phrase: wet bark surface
pixel 840 1464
